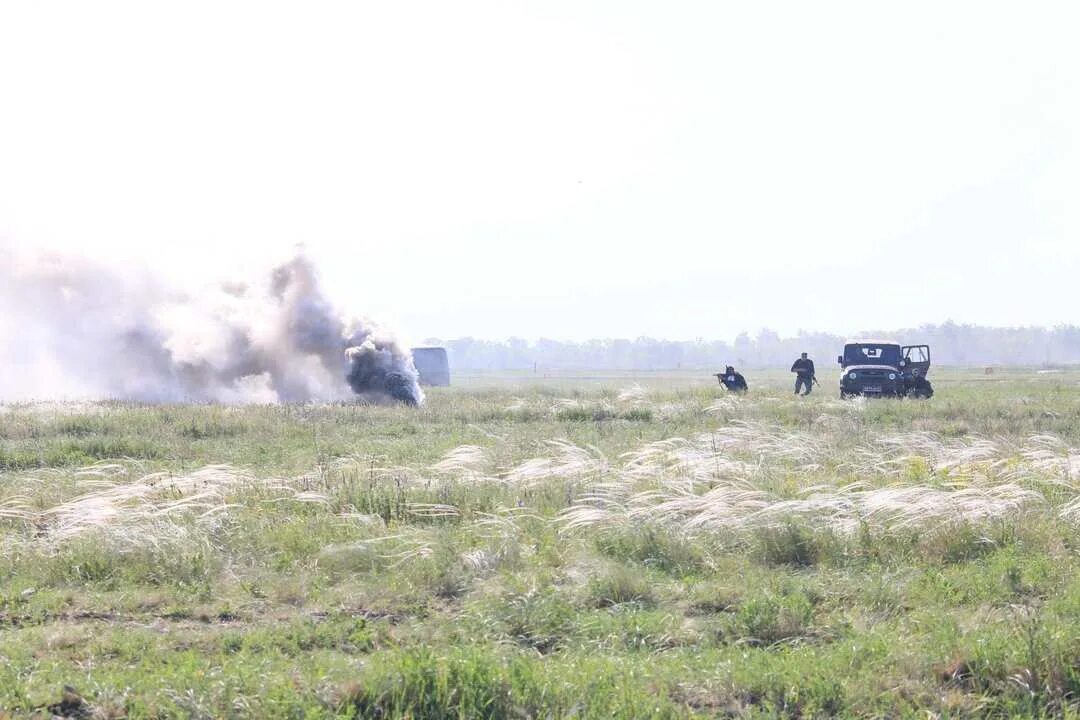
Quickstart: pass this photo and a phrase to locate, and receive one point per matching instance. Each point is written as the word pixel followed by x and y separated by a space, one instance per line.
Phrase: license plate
pixel 872 388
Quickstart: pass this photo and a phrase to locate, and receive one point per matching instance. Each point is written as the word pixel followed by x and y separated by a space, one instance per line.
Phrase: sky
pixel 563 169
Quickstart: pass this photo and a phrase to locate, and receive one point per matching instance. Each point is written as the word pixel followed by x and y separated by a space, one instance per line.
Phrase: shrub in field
pixel 434 565
pixel 420 684
pixel 641 414
pixel 579 413
pixel 632 627
pixel 99 562
pixel 791 544
pixel 11 460
pixel 84 426
pixel 656 547
pixel 880 593
pixel 93 449
pixel 617 584
pixel 349 635
pixel 477 683
pixel 1022 664
pixel 715 597
pixel 291 537
pixel 195 430
pixel 958 543
pixel 768 619
pixel 537 618
pixel 348 558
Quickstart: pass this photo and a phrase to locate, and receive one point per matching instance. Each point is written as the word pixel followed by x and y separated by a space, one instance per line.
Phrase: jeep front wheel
pixel 922 391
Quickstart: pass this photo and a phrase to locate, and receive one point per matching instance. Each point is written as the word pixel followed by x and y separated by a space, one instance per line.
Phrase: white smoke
pixel 71 328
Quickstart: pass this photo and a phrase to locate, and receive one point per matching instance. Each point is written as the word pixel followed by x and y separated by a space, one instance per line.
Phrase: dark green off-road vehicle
pixel 880 368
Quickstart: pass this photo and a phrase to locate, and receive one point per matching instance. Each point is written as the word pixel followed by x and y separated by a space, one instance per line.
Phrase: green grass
pixel 345 573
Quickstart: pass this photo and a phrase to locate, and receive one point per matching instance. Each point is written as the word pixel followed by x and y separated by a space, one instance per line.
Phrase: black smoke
pixel 77 329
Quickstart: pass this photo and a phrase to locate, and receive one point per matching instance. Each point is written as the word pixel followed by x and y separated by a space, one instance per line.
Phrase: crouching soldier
pixel 733 381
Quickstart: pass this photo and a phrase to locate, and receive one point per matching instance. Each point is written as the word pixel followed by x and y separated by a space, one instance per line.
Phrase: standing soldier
pixel 804 374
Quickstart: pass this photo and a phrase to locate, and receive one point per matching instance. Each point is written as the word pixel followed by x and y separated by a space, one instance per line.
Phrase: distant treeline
pixel 951 344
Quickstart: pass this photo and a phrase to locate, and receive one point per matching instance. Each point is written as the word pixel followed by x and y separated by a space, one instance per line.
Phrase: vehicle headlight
pixel 892 376
pixel 851 376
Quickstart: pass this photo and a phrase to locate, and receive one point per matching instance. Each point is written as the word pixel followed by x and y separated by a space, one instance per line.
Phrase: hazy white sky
pixel 565 169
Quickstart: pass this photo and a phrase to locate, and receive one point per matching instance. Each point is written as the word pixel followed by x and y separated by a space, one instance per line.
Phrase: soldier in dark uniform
pixel 804 374
pixel 733 381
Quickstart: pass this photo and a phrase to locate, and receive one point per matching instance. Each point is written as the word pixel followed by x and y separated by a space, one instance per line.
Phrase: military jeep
pixel 880 368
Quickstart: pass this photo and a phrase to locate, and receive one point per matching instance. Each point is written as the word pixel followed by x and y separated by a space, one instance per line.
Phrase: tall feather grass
pixel 741 478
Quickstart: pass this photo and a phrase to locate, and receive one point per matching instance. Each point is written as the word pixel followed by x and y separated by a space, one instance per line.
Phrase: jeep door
pixel 916 359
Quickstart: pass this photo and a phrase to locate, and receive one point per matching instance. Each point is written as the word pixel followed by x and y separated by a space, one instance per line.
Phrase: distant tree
pixel 952 343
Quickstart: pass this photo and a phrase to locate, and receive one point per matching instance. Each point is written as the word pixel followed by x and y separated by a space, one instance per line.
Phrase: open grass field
pixel 530 547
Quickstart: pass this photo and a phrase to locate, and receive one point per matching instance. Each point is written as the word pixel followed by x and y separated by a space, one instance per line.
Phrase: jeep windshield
pixel 872 354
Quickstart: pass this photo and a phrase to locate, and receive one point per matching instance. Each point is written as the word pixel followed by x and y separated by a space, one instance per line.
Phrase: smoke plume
pixel 70 328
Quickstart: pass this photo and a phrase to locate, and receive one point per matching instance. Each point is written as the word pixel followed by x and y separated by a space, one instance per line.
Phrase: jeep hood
pixel 885 368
